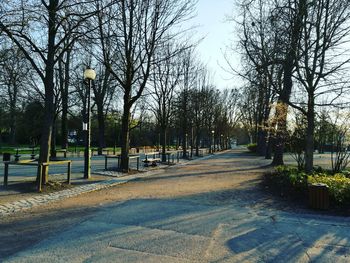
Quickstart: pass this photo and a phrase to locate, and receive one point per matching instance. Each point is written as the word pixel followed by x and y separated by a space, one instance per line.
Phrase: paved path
pixel 240 225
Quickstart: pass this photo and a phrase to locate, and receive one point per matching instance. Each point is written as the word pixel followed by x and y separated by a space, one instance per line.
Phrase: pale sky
pixel 218 34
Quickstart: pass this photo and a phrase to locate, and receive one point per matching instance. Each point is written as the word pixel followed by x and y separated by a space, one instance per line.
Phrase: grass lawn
pixel 26 149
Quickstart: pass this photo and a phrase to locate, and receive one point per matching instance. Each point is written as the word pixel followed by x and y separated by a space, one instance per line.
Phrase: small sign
pixel 85 126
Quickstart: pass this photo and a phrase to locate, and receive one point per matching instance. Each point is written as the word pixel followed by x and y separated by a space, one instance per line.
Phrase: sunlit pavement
pixel 196 229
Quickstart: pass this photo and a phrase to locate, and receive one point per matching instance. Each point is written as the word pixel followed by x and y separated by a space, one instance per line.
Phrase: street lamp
pixel 89 75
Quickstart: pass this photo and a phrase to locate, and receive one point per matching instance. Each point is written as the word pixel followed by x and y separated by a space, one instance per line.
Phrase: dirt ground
pixel 229 176
pixel 244 173
pixel 178 181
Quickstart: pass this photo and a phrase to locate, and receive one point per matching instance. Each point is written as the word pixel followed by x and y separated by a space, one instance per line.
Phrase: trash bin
pixel 6 157
pixel 319 196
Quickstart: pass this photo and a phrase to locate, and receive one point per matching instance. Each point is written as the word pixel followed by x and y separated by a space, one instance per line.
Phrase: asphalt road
pixel 238 225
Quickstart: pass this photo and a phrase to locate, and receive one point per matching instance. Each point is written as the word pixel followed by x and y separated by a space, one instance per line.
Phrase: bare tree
pixel 104 90
pixel 13 71
pixel 139 29
pixel 189 73
pixel 166 77
pixel 272 31
pixel 23 23
pixel 322 59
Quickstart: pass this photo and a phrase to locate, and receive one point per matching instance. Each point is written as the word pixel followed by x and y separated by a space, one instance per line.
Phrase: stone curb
pixel 24 204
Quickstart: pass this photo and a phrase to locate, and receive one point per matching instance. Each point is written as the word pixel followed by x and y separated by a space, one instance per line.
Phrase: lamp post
pixel 89 75
pixel 115 136
pixel 213 141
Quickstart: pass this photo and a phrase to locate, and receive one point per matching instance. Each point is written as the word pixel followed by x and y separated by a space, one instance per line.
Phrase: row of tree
pixel 141 67
pixel 295 56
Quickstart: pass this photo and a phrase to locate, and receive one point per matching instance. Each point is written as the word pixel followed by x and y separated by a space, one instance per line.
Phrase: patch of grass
pixel 252 147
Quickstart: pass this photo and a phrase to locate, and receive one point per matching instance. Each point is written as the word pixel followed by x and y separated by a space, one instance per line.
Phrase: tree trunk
pixel 45 140
pixel 197 140
pixel 53 140
pixel 309 148
pixel 284 97
pixel 64 127
pixel 163 142
pixel 184 125
pixel 101 128
pixel 261 142
pixel 64 91
pixel 268 154
pixel 281 118
pixel 12 124
pixel 125 133
pixel 184 144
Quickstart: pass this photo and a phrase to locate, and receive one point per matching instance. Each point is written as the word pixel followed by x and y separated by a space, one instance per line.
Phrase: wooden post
pixel 6 174
pixel 40 176
pixel 138 160
pixel 69 172
pixel 105 162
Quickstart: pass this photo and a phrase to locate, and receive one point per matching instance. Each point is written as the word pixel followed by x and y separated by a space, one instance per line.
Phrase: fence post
pixel 69 171
pixel 40 176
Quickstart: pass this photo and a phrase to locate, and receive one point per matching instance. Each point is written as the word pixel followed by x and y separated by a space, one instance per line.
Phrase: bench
pixel 64 151
pixel 150 161
pixel 31 150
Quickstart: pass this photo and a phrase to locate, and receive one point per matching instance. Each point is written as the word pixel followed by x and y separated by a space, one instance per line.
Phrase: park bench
pixel 63 151
pixel 151 160
pixel 19 150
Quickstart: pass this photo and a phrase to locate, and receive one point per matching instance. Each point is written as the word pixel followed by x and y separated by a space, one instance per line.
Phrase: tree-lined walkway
pixel 210 210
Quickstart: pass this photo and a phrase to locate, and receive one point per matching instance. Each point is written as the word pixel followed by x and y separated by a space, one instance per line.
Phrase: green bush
pixel 339 186
pixel 293 179
pixel 252 147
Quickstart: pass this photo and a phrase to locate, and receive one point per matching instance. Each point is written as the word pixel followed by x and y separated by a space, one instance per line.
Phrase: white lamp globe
pixel 89 74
